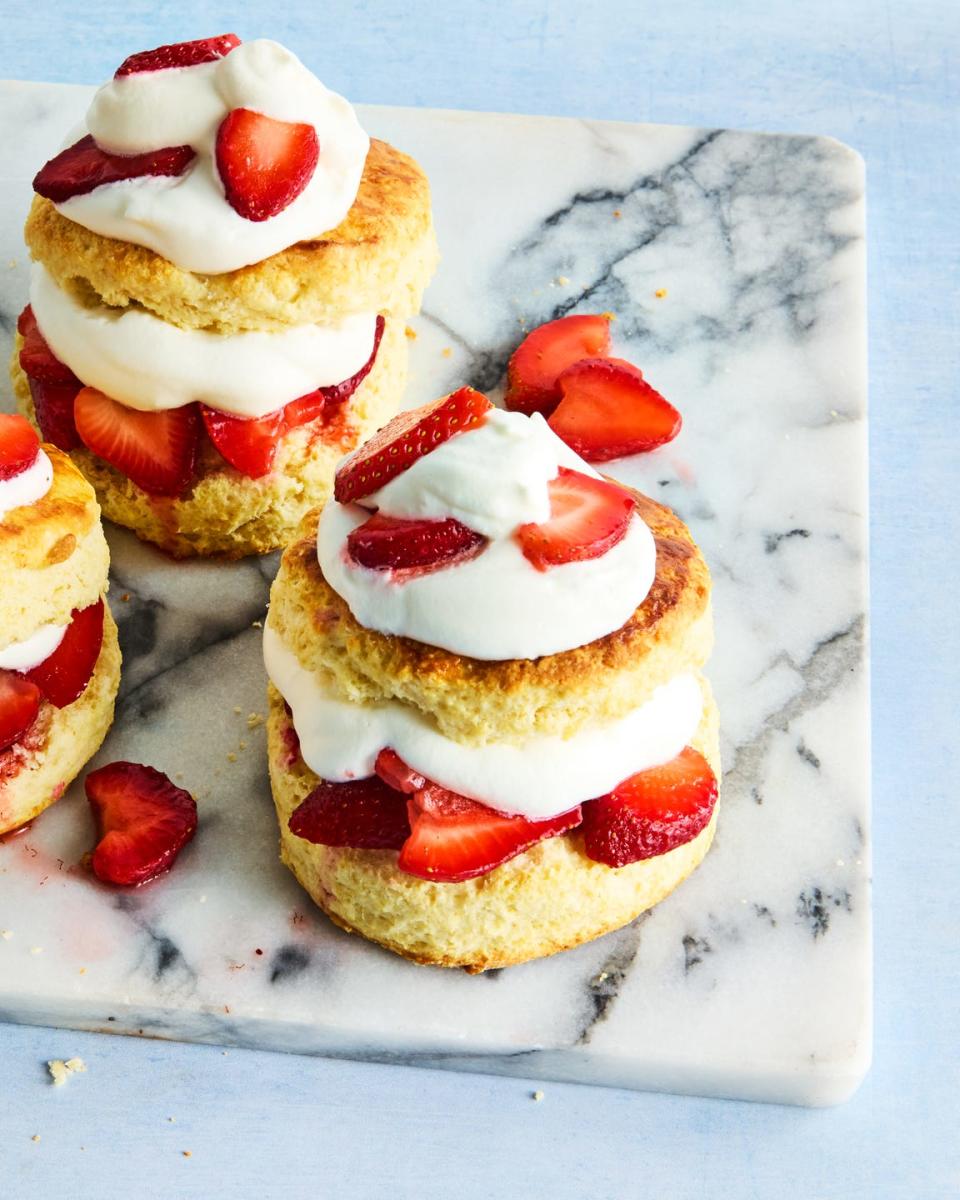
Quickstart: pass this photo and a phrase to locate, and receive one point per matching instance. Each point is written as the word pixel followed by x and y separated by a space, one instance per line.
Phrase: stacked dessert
pixel 489 738
pixel 59 658
pixel 224 265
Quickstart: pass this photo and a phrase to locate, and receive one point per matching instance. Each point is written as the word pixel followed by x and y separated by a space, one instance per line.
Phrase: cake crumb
pixel 231 757
pixel 411 333
pixel 36 949
pixel 82 971
pixel 242 744
pixel 617 213
pixel 187 1153
pixel 609 315
pixel 446 352
pixel 237 709
pixel 537 1095
pixel 171 1120
pixel 254 719
pixel 256 624
pixel 61 1071
pixel 6 934
pixel 561 281
pixel 660 293
pixel 35 1138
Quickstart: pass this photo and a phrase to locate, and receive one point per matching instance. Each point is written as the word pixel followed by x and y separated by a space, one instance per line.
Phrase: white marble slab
pixel 754 979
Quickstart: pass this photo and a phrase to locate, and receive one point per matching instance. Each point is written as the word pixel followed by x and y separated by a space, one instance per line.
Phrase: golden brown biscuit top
pixel 48 531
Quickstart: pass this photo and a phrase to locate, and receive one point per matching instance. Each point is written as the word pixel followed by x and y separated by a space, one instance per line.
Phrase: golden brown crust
pixel 378 259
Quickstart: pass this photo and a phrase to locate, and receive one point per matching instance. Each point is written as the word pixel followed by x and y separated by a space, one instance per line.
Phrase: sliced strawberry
pixel 156 450
pixel 179 54
pixel 587 518
pixel 652 812
pixel 19 445
pixel 65 674
pixel 543 354
pixel 19 705
pixel 143 821
pixel 248 444
pixel 84 166
pixel 364 814
pixel 409 436
pixel 314 404
pixel 264 164
pixel 37 360
pixel 453 838
pixel 53 404
pixel 399 543
pixel 609 410
pixel 394 771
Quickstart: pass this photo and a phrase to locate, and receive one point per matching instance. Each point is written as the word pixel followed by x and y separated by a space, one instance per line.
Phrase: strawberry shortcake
pixel 59 657
pixel 224 262
pixel 489 735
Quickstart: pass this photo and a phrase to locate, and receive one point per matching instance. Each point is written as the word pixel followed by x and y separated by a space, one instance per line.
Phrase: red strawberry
pixel 264 164
pixel 543 354
pixel 36 358
pixel 248 444
pixel 53 404
pixel 65 674
pixel 399 543
pixel 143 822
pixel 453 838
pixel 409 436
pixel 19 445
pixel 394 771
pixel 84 166
pixel 652 812
pixel 179 54
pixel 19 705
pixel 314 404
pixel 587 518
pixel 609 410
pixel 364 814
pixel 156 450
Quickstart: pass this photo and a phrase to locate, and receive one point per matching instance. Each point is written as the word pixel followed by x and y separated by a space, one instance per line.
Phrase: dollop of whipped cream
pixel 538 778
pixel 187 219
pixel 32 651
pixel 497 605
pixel 150 365
pixel 28 486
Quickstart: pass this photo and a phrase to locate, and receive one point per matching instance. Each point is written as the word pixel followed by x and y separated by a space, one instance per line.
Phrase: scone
pixel 224 266
pixel 59 657
pixel 489 734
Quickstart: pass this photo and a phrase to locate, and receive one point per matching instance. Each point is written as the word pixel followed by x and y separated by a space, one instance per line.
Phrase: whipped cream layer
pixel 496 605
pixel 32 651
pixel 148 364
pixel 28 486
pixel 187 219
pixel 538 778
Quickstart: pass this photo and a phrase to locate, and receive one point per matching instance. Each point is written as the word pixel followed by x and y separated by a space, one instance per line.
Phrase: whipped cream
pixel 32 651
pixel 496 605
pixel 149 364
pixel 538 778
pixel 28 487
pixel 187 219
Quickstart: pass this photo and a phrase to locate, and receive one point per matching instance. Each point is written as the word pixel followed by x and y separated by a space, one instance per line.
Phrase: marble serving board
pixel 734 263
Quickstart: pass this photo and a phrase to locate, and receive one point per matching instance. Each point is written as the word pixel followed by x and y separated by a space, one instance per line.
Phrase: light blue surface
pixel 884 78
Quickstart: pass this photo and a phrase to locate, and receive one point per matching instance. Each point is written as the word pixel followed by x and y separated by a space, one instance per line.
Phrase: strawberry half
pixel 36 358
pixel 156 450
pixel 409 436
pixel 84 166
pixel 264 164
pixel 19 445
pixel 19 705
pixel 394 771
pixel 401 543
pixel 249 445
pixel 65 674
pixel 453 838
pixel 53 386
pixel 143 822
pixel 609 410
pixel 364 814
pixel 587 518
pixel 651 812
pixel 178 54
pixel 537 363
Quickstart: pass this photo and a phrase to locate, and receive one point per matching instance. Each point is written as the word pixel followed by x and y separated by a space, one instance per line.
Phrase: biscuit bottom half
pixel 38 770
pixel 550 898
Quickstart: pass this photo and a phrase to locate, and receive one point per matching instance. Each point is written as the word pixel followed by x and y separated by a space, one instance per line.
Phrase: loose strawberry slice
pixel 394 771
pixel 543 354
pixel 364 814
pixel 143 821
pixel 156 450
pixel 179 54
pixel 37 360
pixel 264 164
pixel 409 436
pixel 19 445
pixel 84 166
pixel 399 543
pixel 453 838
pixel 314 404
pixel 65 674
pixel 19 705
pixel 587 518
pixel 609 410
pixel 53 404
pixel 652 812
pixel 248 444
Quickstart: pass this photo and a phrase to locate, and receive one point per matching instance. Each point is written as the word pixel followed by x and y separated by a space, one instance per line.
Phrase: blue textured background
pixel 885 78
